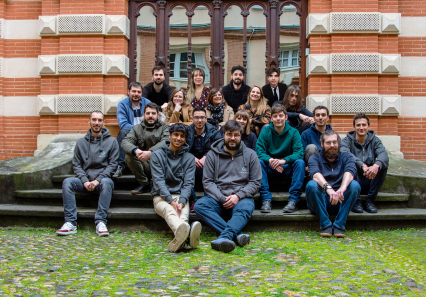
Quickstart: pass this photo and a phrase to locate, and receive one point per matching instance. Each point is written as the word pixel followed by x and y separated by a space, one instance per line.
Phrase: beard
pixel 238 83
pixel 332 155
pixel 158 83
pixel 234 148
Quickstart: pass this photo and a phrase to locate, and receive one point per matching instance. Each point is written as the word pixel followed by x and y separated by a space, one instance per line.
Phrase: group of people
pixel 235 148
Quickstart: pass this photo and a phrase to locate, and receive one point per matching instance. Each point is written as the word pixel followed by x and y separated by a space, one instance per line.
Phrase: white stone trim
pixel 19 106
pixel 1 28
pixel 313 101
pixel 1 105
pixel 413 106
pixel 413 66
pixel 391 64
pixel 20 29
pixel 19 67
pixel 318 23
pixel 47 25
pixel 391 23
pixel 111 102
pixel 391 105
pixel 318 64
pixel 46 104
pixel 413 27
pixel 47 65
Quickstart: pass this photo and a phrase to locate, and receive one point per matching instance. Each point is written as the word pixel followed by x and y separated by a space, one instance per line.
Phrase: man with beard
pixel 231 178
pixel 129 113
pixel 333 189
pixel 142 140
pixel 158 91
pixel 95 159
pixel 236 92
pixel 275 90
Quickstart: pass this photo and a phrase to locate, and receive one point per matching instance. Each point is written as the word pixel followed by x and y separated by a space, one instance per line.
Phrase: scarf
pixel 217 111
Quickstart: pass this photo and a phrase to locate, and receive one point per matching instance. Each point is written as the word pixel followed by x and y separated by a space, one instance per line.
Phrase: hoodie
pixel 233 97
pixel 95 157
pixel 225 174
pixel 373 152
pixel 312 136
pixel 173 173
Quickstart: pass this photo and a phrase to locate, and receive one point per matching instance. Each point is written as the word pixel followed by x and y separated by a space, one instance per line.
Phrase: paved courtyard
pixel 382 263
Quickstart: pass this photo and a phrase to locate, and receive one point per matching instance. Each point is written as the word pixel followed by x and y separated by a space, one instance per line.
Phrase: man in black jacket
pixel 236 92
pixel 275 90
pixel 158 91
pixel 372 160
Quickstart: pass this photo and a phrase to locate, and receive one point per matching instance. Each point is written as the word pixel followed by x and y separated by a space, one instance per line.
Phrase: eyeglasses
pixel 230 135
pixel 199 118
pixel 335 142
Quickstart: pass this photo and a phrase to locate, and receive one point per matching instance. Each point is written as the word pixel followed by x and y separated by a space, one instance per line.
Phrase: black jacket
pixel 249 140
pixel 267 92
pixel 233 97
pixel 212 134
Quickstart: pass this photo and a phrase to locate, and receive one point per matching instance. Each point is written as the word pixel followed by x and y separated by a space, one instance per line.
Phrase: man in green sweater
pixel 280 152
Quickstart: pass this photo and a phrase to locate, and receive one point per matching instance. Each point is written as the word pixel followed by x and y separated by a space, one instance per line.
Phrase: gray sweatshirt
pixel 173 173
pixel 225 174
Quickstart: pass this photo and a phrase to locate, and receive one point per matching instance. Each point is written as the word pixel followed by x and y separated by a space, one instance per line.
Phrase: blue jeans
pixel 71 185
pixel 211 213
pixel 371 187
pixel 122 157
pixel 319 203
pixel 295 171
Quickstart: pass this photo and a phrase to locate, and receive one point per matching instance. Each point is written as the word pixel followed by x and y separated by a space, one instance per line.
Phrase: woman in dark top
pixel 299 116
pixel 178 110
pixel 248 137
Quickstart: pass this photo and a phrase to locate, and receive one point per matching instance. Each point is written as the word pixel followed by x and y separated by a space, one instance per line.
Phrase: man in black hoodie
pixel 371 158
pixel 236 92
pixel 232 176
pixel 95 160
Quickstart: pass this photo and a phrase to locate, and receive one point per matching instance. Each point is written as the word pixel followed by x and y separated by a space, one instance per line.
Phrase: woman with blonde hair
pixel 197 92
pixel 217 109
pixel 248 137
pixel 178 110
pixel 258 109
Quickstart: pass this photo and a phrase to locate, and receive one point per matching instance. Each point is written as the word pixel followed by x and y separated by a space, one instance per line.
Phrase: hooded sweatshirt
pixel 373 151
pixel 173 173
pixel 286 145
pixel 225 174
pixel 95 157
pixel 312 136
pixel 233 97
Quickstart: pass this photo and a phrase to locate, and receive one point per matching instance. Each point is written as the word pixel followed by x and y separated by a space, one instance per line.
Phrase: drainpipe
pixel 248 57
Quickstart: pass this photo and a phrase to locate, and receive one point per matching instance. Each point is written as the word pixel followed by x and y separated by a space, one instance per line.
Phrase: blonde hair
pixel 244 114
pixel 191 91
pixel 171 106
pixel 262 105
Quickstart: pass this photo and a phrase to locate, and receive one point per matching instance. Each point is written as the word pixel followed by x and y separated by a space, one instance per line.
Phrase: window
pixel 289 58
pixel 179 65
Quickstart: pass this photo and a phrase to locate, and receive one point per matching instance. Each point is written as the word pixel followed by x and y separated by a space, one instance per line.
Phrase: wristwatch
pixel 326 186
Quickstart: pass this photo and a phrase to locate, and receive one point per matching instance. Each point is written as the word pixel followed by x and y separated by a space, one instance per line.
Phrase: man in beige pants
pixel 173 172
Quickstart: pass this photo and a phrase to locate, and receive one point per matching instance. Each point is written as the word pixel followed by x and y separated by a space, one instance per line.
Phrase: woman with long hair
pixel 178 110
pixel 299 116
pixel 197 92
pixel 217 109
pixel 248 137
pixel 258 109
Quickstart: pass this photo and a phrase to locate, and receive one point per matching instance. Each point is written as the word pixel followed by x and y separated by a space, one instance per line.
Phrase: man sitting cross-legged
pixel 231 178
pixel 95 160
pixel 280 153
pixel 173 171
pixel 333 189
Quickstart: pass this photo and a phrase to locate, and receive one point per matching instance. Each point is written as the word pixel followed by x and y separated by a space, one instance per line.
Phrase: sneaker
pixel 194 235
pixel 119 172
pixel 266 206
pixel 339 233
pixel 243 239
pixel 101 229
pixel 357 208
pixel 327 232
pixel 67 229
pixel 182 233
pixel 141 189
pixel 290 207
pixel 369 206
pixel 223 245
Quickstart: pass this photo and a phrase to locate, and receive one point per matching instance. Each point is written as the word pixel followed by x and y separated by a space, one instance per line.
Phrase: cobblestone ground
pixel 39 263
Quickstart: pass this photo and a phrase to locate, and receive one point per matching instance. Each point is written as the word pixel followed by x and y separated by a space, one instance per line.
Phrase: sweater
pixel 125 113
pixel 159 98
pixel 233 97
pixel 312 136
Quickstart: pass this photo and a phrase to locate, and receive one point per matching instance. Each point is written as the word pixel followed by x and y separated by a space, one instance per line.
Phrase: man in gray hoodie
pixel 95 160
pixel 173 172
pixel 232 176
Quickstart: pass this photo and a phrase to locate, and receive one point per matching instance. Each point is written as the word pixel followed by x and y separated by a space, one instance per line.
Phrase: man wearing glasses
pixel 333 189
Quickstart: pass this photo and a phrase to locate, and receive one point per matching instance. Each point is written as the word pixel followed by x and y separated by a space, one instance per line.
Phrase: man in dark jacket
pixel 275 90
pixel 158 91
pixel 232 177
pixel 371 158
pixel 95 160
pixel 236 92
pixel 139 144
pixel 173 170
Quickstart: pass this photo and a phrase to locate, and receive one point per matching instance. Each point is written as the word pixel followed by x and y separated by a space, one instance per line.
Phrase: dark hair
pixel 238 67
pixel 361 115
pixel 179 127
pixel 156 68
pixel 272 70
pixel 321 107
pixel 233 125
pixel 212 93
pixel 277 108
pixel 287 96
pixel 153 106
pixel 135 84
pixel 198 109
pixel 97 111
pixel 329 133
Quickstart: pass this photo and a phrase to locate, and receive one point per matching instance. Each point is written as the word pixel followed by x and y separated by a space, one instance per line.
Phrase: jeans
pixel 371 187
pixel 319 203
pixel 295 171
pixel 211 213
pixel 71 185
pixel 122 157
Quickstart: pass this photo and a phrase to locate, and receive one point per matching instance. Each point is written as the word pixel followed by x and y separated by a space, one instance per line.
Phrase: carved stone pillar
pixel 217 43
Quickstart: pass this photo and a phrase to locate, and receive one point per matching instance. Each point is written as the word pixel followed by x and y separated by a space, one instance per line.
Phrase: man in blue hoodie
pixel 95 159
pixel 129 113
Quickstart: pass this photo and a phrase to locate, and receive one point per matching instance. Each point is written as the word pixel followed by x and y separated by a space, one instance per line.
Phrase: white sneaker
pixel 182 233
pixel 194 235
pixel 67 229
pixel 101 229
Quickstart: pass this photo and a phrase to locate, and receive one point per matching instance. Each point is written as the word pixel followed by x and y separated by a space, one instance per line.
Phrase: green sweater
pixel 287 145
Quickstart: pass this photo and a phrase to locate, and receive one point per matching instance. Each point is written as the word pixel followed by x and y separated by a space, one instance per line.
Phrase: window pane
pixel 294 62
pixel 172 58
pixel 183 73
pixel 295 53
pixel 183 57
pixel 285 54
pixel 193 58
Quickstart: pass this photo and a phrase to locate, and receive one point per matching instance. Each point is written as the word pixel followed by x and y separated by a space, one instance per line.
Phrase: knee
pixel 247 205
pixel 354 187
pixel 299 163
pixel 68 183
pixel 311 186
pixel 107 183
pixel 201 205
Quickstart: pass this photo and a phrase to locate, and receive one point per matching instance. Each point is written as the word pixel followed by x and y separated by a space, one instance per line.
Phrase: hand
pixel 164 105
pixel 334 197
pixel 175 206
pixel 88 186
pixel 220 127
pixel 311 120
pixel 276 164
pixel 371 171
pixel 231 201
pixel 307 169
pixel 145 156
pixel 95 183
pixel 199 163
pixel 138 153
pixel 341 191
pixel 364 168
pixel 178 107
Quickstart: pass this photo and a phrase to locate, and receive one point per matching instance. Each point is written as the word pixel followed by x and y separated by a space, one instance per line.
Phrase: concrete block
pixel 47 25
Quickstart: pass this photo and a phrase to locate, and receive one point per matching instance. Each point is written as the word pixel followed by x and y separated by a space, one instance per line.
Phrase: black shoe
pixel 290 207
pixel 243 239
pixel 266 206
pixel 119 172
pixel 339 233
pixel 141 189
pixel 369 206
pixel 327 232
pixel 357 208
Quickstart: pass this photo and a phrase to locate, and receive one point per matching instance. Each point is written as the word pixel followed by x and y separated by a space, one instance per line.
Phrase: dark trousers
pixel 198 178
pixel 122 157
pixel 371 187
pixel 211 213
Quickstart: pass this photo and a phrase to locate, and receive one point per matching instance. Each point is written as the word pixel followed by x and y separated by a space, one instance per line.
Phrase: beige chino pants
pixel 166 211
